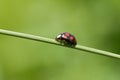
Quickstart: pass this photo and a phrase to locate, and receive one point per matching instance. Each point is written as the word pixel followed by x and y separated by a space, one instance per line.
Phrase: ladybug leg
pixel 63 42
pixel 72 45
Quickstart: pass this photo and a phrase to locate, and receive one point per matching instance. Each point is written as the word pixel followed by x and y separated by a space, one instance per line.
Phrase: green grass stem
pixel 52 41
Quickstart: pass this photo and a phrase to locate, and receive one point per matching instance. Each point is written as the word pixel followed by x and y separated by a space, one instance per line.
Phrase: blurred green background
pixel 95 23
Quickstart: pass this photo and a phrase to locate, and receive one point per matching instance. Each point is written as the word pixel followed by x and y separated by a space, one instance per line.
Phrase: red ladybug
pixel 66 39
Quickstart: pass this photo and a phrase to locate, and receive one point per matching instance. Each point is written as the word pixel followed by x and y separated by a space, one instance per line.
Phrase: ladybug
pixel 66 39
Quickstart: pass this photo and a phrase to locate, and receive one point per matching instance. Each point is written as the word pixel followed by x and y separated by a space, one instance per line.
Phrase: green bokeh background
pixel 95 23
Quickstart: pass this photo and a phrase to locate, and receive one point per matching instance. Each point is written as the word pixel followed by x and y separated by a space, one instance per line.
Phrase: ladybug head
pixel 58 37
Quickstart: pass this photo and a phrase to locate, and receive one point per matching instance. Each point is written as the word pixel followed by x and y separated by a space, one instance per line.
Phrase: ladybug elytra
pixel 66 39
